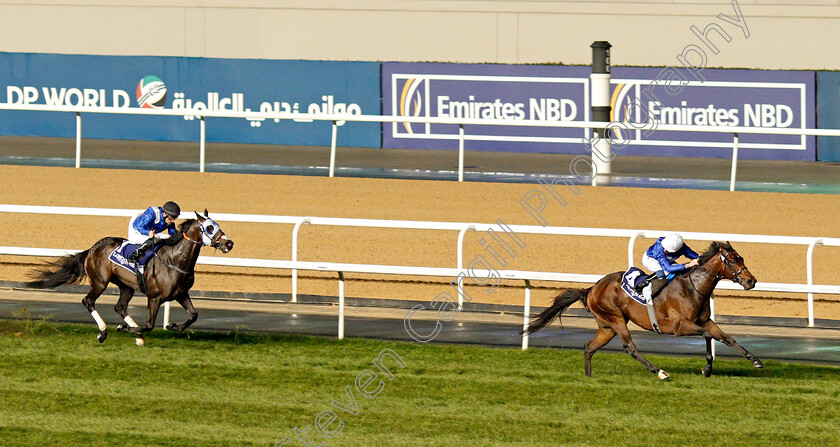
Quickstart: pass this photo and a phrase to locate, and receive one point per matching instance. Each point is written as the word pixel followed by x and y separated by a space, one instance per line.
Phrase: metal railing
pixel 461 122
pixel 458 271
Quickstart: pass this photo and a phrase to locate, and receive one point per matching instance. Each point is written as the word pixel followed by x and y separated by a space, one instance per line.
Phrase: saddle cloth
pixel 632 277
pixel 120 254
pixel 629 280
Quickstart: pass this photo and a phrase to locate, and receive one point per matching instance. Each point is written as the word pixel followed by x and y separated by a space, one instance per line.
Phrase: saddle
pixel 120 257
pixel 634 276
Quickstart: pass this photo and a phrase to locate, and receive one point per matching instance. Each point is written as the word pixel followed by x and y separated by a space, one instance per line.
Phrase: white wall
pixel 783 33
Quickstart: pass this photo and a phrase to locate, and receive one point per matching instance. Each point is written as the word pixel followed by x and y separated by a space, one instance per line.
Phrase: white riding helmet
pixel 672 243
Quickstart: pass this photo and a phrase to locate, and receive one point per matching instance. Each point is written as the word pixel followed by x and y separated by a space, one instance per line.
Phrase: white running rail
pixel 458 272
pixel 338 120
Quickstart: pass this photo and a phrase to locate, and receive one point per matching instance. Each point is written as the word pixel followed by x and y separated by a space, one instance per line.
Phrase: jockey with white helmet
pixel 662 255
pixel 152 225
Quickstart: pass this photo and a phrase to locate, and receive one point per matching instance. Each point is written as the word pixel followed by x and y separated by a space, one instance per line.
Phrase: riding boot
pixel 643 283
pixel 141 250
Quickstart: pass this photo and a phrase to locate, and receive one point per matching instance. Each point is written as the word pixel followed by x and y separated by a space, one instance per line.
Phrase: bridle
pixel 736 275
pixel 724 257
pixel 212 239
pixel 217 235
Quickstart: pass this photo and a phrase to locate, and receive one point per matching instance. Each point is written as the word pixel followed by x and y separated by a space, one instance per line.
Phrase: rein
pixel 174 267
pixel 190 239
pixel 736 278
pixel 691 281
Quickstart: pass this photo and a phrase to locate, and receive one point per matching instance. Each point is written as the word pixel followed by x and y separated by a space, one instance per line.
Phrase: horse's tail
pixel 561 303
pixel 68 269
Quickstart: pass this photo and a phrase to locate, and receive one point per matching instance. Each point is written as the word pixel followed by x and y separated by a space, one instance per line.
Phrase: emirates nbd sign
pixel 752 98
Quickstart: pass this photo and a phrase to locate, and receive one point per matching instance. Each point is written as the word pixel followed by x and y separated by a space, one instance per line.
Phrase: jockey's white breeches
pixel 136 237
pixel 651 263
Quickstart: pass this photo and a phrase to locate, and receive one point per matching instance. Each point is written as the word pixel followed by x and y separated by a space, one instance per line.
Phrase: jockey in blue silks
pixel 661 259
pixel 150 226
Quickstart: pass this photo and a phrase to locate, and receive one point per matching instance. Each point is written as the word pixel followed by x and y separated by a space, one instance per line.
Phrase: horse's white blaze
pixel 130 321
pixel 99 320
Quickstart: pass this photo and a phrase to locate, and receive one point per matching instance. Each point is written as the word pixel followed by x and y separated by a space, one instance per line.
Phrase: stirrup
pixel 640 287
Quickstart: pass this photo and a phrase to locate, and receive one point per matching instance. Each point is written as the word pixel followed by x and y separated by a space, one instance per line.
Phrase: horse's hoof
pixel 140 342
pixel 758 364
pixel 121 328
pixel 663 375
pixel 102 336
pixel 707 371
pixel 172 327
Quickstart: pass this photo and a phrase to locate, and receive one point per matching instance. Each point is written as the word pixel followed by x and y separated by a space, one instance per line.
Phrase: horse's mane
pixel 714 247
pixel 185 225
pixel 182 228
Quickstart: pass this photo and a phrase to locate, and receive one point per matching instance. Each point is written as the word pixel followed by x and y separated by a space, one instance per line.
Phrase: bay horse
pixel 169 275
pixel 682 307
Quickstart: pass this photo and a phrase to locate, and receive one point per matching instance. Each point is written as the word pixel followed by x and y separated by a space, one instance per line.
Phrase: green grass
pixel 60 387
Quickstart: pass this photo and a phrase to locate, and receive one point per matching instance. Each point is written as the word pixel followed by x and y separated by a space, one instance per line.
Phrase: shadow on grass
pixel 743 368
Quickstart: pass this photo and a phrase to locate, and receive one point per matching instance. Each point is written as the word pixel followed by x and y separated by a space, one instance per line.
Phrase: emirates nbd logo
pixel 412 102
pixel 151 93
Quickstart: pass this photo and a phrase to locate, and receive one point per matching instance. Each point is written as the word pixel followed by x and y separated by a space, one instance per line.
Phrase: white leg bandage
pixel 99 320
pixel 130 321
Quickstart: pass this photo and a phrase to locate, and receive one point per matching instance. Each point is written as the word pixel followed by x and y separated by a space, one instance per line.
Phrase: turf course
pixel 60 387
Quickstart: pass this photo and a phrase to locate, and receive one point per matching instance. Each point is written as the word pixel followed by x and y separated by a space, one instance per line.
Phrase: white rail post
pixel 810 266
pixel 295 232
pixel 341 305
pixel 460 152
pixel 166 310
pixel 631 247
pixel 526 312
pixel 712 316
pixel 734 162
pixel 460 264
pixel 78 140
pixel 332 148
pixel 201 145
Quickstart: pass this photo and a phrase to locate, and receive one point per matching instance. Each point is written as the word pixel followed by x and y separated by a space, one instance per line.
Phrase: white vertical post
pixel 166 309
pixel 631 247
pixel 340 305
pixel 526 312
pixel 78 140
pixel 712 316
pixel 295 232
pixel 460 263
pixel 460 152
pixel 201 145
pixel 332 148
pixel 734 162
pixel 809 260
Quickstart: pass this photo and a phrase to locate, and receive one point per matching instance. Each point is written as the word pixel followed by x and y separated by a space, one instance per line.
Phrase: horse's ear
pixel 198 215
pixel 205 213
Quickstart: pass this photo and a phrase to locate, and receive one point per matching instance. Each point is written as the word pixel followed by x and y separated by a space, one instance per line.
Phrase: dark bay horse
pixel 169 274
pixel 682 307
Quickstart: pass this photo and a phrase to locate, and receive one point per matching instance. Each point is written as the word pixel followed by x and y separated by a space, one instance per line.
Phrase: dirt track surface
pixel 602 207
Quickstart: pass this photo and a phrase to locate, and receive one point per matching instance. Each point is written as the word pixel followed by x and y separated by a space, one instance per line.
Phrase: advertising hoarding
pixel 202 83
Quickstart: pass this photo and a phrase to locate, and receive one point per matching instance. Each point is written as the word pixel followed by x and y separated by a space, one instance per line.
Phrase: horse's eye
pixel 209 228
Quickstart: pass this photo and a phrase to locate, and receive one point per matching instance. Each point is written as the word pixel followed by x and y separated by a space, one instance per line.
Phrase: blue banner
pixel 174 82
pixel 828 102
pixel 752 98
